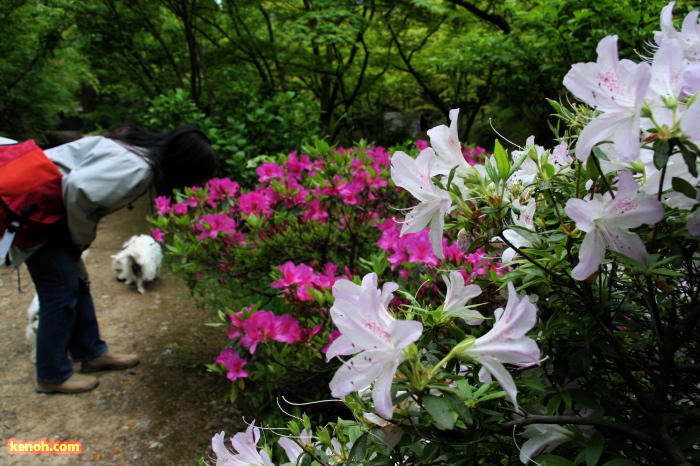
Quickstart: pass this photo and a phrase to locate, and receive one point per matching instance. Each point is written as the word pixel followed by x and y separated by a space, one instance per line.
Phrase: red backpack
pixel 31 198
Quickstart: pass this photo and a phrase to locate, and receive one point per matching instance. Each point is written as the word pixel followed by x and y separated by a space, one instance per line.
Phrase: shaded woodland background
pixel 262 77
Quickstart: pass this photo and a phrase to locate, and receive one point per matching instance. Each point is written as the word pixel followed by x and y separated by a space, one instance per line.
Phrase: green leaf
pixel 518 162
pixel 684 187
pixel 662 152
pixel 553 460
pixel 491 171
pixel 451 176
pixel 620 462
pixel 502 162
pixel 439 409
pixel 553 404
pixel 460 408
pixel 690 155
pixel 566 397
pixel 359 449
pixel 594 448
pixel 591 167
pixel 689 437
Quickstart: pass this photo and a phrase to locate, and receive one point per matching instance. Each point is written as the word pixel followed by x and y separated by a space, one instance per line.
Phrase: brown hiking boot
pixel 76 383
pixel 110 362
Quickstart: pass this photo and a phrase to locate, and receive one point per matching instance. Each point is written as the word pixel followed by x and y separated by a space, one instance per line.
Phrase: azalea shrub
pixel 266 258
pixel 590 354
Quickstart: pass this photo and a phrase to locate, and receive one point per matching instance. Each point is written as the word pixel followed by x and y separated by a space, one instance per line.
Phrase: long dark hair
pixel 180 157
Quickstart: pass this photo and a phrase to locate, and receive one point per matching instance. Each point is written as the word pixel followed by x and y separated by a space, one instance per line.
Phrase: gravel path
pixel 162 412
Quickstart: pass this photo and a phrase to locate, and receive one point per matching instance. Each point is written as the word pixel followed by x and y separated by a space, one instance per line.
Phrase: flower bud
pixel 463 345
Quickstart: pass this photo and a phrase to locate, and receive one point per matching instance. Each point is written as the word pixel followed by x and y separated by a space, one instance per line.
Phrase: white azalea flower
pixel 543 436
pixel 245 446
pixel 526 219
pixel 367 329
pixel 414 176
pixel 607 220
pixel 457 296
pixel 445 141
pixel 292 448
pixel 506 343
pixel 688 36
pixel 616 88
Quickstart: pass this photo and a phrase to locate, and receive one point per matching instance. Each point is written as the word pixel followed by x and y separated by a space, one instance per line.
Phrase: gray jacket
pixel 100 176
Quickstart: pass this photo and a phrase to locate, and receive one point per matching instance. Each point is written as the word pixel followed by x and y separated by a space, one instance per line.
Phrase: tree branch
pixel 497 20
pixel 582 421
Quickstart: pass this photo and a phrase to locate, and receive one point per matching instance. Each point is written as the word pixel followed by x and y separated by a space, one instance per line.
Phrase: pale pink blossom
pixel 688 36
pixel 506 343
pixel 414 176
pixel 375 338
pixel 445 141
pixel 458 295
pixel 607 220
pixel 244 445
pixel 617 89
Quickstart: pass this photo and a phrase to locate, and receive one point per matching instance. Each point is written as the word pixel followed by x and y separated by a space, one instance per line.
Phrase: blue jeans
pixel 67 321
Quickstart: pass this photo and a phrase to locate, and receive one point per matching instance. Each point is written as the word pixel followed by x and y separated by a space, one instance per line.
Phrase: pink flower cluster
pixel 263 326
pixel 416 248
pixel 233 364
pixel 253 327
pixel 296 279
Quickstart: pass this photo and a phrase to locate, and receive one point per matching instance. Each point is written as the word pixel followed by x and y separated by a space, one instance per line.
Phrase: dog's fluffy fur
pixel 138 261
pixel 32 326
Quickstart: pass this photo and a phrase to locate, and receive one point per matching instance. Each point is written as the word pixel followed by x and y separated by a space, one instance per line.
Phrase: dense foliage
pixel 380 70
pixel 588 351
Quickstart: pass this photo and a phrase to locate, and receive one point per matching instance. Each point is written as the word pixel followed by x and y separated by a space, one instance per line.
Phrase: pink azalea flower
pixel 296 165
pixel 221 188
pixel 301 276
pixel 179 209
pixel 453 252
pixel 257 202
pixel 421 144
pixel 265 325
pixel 315 211
pixel 162 204
pixel 233 364
pixel 212 224
pixel 236 325
pixel 268 171
pixel 308 333
pixel 332 336
pixel 349 193
pixel 419 248
pixel 158 235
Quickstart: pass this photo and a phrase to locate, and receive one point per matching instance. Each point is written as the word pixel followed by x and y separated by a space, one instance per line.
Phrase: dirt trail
pixel 162 412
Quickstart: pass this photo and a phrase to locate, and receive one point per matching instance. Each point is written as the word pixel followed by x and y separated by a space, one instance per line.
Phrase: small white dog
pixel 138 261
pixel 32 326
